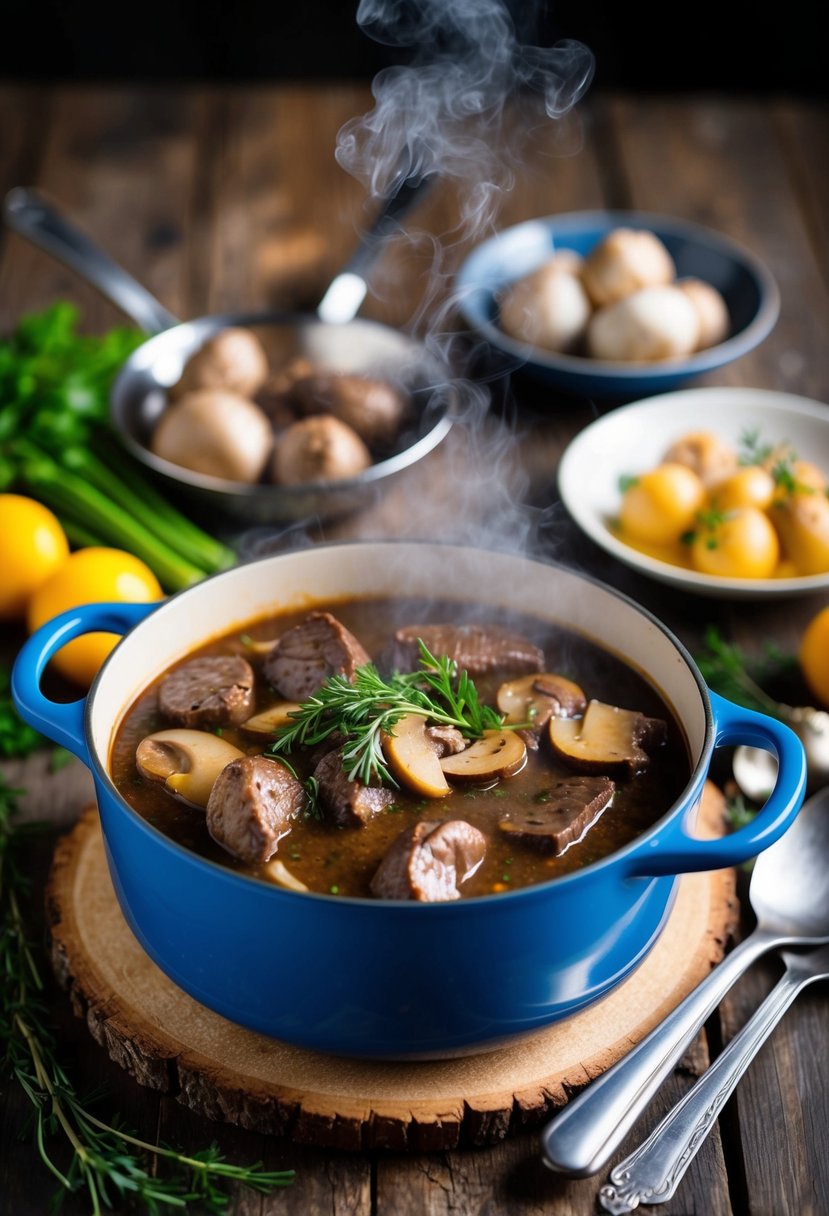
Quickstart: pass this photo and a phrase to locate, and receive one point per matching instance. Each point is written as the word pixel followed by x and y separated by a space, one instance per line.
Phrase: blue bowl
pixel 390 978
pixel 747 286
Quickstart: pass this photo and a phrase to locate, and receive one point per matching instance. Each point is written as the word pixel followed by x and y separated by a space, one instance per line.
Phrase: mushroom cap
pixel 549 308
pixel 186 762
pixel 624 261
pixel 373 408
pixel 653 323
pixel 319 448
pixel 234 359
pixel 712 311
pixel 215 432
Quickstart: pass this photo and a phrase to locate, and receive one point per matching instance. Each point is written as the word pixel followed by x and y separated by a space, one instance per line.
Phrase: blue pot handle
pixel 673 851
pixel 64 721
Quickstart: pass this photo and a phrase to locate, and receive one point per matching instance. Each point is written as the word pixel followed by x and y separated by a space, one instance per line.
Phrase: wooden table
pixel 223 199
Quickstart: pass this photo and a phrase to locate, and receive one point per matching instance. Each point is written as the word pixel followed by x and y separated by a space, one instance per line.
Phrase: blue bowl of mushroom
pixel 616 304
pixel 399 800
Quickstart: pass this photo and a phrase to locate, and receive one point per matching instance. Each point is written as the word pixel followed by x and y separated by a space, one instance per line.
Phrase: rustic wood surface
pixel 217 198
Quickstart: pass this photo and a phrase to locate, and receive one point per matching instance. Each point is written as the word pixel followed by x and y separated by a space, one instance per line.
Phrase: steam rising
pixel 446 113
pixel 458 110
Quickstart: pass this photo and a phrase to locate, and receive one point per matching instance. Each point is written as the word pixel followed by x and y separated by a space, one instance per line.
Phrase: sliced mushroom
pixel 412 758
pixel 499 753
pixel 535 698
pixel 258 648
pixel 187 762
pixel 277 873
pixel 272 719
pixel 607 739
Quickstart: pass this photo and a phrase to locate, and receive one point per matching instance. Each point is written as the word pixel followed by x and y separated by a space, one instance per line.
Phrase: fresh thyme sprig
pixel 728 671
pixel 368 708
pixel 107 1163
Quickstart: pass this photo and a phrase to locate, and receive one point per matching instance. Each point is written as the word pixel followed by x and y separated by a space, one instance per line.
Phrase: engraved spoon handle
pixel 652 1173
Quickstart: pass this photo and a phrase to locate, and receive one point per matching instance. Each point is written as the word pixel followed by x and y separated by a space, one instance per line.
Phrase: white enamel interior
pixel 316 575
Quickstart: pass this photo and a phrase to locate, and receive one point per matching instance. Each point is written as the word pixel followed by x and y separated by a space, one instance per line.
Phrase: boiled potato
pixel 802 520
pixel 710 457
pixel 751 486
pixel 662 504
pixel 737 544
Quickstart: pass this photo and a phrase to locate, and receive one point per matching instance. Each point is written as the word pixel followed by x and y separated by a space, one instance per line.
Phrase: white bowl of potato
pixel 718 491
pixel 616 304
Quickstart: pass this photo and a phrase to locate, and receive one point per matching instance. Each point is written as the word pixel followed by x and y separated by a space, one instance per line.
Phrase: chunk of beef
pixel 347 803
pixel 209 692
pixel 549 827
pixel 429 861
pixel 446 740
pixel 251 806
pixel 305 656
pixel 476 649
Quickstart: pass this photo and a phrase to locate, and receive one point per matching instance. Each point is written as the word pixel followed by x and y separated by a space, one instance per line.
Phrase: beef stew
pixel 502 809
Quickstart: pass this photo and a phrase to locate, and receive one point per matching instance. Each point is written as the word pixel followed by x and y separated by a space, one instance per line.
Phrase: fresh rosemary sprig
pixel 368 708
pixel 107 1163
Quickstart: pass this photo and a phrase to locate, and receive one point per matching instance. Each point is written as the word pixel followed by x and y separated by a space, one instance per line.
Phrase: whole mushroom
pixel 550 307
pixel 712 311
pixel 215 432
pixel 234 359
pixel 626 260
pixel 319 448
pixel 654 323
pixel 371 407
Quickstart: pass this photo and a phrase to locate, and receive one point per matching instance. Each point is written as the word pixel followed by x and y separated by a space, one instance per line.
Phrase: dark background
pixel 670 46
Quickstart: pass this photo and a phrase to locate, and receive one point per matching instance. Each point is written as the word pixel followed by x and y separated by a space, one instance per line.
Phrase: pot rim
pixel 536 890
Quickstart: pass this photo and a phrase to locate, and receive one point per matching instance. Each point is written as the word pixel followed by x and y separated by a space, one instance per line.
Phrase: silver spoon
pixel 755 771
pixel 789 893
pixel 652 1173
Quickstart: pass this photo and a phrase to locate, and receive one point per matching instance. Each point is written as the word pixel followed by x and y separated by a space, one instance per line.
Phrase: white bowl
pixel 633 438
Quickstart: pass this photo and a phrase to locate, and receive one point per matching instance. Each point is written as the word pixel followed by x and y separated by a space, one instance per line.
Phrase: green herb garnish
pixel 751 450
pixel 108 1165
pixel 368 708
pixel 728 670
pixel 17 738
pixel 627 482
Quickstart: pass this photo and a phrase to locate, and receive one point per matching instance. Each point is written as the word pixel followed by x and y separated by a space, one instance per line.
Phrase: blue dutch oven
pixel 394 979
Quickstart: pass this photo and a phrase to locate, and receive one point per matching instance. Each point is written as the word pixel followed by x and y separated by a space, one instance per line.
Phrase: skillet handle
pixel 346 292
pixel 64 721
pixel 675 852
pixel 29 213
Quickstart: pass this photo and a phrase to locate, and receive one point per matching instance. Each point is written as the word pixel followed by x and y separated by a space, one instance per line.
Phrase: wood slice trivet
pixel 169 1042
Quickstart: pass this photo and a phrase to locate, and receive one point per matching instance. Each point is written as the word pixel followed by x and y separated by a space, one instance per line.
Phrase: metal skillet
pixel 334 337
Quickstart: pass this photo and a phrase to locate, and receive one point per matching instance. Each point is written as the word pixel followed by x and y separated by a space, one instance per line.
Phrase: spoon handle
pixel 29 213
pixel 582 1138
pixel 654 1170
